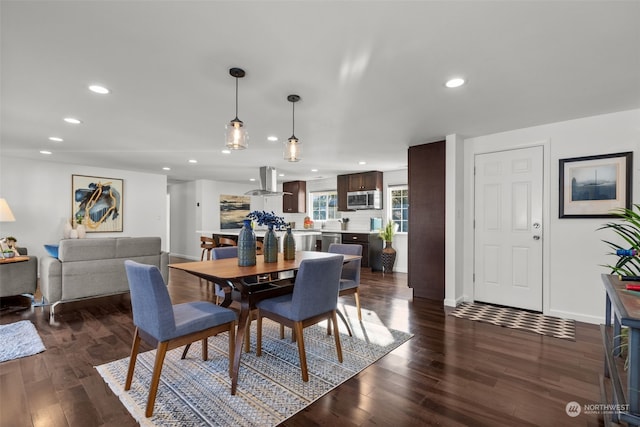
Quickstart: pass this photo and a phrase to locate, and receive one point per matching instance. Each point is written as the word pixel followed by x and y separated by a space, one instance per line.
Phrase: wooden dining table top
pixel 228 268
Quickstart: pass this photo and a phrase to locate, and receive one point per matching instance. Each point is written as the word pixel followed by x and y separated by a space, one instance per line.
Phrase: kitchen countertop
pixel 259 232
pixel 323 230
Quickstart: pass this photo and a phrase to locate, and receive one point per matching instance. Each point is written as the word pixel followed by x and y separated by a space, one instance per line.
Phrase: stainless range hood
pixel 268 182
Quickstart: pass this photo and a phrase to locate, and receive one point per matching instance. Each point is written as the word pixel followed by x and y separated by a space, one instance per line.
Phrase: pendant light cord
pixel 293 119
pixel 236 98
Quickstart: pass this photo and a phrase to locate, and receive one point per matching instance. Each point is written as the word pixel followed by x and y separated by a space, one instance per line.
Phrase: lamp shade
pixel 293 149
pixel 236 135
pixel 5 212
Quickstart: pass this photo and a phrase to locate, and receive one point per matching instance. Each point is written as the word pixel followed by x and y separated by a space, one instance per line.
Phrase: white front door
pixel 508 228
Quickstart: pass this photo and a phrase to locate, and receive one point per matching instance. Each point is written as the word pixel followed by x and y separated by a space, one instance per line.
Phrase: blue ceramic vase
pixel 289 245
pixel 270 246
pixel 246 245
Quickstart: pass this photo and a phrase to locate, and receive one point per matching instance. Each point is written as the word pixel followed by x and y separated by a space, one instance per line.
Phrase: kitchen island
pixel 305 240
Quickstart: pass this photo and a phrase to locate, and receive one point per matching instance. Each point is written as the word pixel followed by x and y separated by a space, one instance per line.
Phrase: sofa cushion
pixel 127 247
pixel 87 249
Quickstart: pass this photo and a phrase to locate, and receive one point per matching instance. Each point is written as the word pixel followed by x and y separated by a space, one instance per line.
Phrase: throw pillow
pixel 52 250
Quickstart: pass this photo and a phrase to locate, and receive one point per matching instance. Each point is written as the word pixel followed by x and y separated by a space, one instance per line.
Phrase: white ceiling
pixel 370 75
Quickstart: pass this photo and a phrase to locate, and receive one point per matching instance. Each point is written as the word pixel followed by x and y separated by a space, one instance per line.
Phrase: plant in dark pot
pixel 388 253
pixel 627 228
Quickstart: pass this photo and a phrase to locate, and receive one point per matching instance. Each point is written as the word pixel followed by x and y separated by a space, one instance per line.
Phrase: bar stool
pixel 206 243
pixel 225 241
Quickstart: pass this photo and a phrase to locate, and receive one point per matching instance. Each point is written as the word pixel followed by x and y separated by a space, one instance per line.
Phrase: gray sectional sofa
pixel 93 267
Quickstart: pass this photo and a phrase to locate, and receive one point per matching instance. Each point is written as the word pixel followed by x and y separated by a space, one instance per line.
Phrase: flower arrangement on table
pixel 270 219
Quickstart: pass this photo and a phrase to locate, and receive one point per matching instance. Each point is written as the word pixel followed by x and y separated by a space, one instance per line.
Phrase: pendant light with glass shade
pixel 293 146
pixel 236 137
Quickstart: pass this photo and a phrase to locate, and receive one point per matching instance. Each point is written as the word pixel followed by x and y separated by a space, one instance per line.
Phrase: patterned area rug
pixel 19 339
pixel 517 319
pixel 193 392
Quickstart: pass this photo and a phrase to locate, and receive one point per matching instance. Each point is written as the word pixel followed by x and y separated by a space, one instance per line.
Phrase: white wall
pixel 574 249
pixel 39 193
pixel 196 206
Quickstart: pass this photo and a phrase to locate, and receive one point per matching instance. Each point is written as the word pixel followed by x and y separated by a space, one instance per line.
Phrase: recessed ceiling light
pixel 55 138
pixel 314 170
pixel 281 174
pixel 362 162
pixel 72 120
pixel 166 168
pixel 99 89
pixel 272 138
pixel 456 82
pixel 252 179
pixel 45 152
pixel 193 161
pixel 225 151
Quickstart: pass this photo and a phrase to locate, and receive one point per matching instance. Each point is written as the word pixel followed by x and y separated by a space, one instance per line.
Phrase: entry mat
pixel 517 319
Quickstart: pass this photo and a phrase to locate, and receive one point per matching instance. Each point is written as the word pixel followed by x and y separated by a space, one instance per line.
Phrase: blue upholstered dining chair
pixel 314 298
pixel 170 326
pixel 350 278
pixel 222 252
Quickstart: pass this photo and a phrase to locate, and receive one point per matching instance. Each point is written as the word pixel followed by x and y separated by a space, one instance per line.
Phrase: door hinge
pixel 474 277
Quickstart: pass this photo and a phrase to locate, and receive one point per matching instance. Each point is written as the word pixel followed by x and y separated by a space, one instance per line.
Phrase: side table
pixel 624 307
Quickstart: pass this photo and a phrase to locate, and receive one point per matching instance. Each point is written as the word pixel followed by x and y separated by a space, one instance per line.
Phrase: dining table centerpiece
pixel 274 223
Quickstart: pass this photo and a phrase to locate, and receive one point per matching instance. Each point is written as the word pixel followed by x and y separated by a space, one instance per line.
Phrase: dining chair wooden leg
pixel 232 345
pixel 205 349
pixel 334 317
pixel 247 335
pixel 155 378
pixel 132 359
pixel 259 335
pixel 297 326
pixel 357 297
pixel 281 331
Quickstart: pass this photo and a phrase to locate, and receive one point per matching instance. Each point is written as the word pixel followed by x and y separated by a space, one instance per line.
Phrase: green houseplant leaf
pixel 627 227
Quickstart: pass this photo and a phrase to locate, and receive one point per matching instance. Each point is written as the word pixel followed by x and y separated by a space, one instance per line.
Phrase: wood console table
pixel 625 307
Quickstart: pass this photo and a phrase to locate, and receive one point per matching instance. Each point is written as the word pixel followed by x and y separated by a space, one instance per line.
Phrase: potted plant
pixel 8 253
pixel 628 229
pixel 388 253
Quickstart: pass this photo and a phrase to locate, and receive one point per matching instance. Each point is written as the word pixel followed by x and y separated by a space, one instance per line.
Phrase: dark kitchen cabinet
pixel 357 182
pixel 365 181
pixel 343 187
pixel 297 201
pixel 426 220
pixel 371 248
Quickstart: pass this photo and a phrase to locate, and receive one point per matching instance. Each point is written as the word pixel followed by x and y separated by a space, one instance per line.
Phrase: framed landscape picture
pixel 97 203
pixel 593 186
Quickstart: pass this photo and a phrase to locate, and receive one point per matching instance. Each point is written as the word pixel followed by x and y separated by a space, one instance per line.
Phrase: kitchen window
pixel 399 196
pixel 324 205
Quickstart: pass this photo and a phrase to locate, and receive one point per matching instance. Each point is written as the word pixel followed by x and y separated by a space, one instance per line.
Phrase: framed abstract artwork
pixel 233 209
pixel 97 203
pixel 594 186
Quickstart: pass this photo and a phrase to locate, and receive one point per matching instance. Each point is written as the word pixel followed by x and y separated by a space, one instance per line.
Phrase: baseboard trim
pixel 578 317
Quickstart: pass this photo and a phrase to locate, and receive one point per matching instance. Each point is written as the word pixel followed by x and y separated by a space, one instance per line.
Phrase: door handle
pixel 536 237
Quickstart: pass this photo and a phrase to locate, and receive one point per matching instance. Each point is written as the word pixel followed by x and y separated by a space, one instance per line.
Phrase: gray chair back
pixel 351 270
pixel 150 302
pixel 223 252
pixel 316 287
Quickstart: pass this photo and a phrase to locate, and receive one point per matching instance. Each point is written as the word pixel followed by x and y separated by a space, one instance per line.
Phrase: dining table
pixel 239 284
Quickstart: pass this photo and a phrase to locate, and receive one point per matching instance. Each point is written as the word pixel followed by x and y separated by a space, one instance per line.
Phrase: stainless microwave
pixel 364 200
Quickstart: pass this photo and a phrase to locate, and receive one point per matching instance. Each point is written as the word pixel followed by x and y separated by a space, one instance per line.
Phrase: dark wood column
pixel 426 220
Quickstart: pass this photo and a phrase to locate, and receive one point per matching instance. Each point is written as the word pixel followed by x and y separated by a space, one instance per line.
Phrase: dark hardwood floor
pixel 453 372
